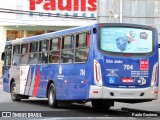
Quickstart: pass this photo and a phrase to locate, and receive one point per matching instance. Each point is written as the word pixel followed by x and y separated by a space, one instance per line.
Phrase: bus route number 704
pixel 128 67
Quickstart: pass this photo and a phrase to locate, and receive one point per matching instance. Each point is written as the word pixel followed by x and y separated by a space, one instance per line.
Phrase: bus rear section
pixel 125 63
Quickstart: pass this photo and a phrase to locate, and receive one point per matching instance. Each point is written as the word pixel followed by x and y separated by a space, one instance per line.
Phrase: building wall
pixel 142 12
pixel 42 17
pixel 145 12
pixel 3 31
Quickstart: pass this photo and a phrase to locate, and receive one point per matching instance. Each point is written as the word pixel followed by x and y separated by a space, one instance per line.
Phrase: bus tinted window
pixel 34 47
pixel 81 55
pixel 16 49
pixel 81 40
pixel 24 48
pixel 24 53
pixel 43 46
pixel 8 47
pixel 67 42
pixel 67 56
pixel 82 49
pixel 8 59
pixel 16 55
pixel 24 59
pixel 43 57
pixel 33 58
pixel 54 57
pixel 55 44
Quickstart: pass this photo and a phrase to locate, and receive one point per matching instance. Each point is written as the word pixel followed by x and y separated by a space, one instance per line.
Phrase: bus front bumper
pixel 97 92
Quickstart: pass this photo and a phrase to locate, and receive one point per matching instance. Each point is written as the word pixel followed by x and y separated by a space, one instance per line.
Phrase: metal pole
pixel 102 11
pixel 121 11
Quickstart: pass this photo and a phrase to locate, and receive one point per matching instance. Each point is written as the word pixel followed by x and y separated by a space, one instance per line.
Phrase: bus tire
pixel 14 96
pixel 53 103
pixel 100 105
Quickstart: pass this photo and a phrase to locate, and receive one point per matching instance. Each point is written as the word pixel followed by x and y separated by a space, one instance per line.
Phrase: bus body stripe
pixel 88 40
pixel 36 85
pixel 96 67
pixel 28 78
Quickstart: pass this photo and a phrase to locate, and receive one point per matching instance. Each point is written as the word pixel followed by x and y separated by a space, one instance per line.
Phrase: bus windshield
pixel 126 40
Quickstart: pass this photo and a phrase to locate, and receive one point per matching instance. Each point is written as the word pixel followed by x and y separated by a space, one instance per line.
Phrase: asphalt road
pixel 76 111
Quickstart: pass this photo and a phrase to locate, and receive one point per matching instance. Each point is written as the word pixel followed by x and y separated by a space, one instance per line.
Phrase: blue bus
pixel 101 63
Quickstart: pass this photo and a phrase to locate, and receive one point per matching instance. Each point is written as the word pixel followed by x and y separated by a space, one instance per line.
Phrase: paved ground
pixel 119 109
pixel 147 106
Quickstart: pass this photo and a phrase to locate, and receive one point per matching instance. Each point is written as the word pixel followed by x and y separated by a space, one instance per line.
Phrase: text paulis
pixel 62 5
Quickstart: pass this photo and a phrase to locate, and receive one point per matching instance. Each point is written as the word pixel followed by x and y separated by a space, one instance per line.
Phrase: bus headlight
pixel 154 75
pixel 97 73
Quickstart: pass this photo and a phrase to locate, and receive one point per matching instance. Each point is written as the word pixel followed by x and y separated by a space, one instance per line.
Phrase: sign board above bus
pixel 65 5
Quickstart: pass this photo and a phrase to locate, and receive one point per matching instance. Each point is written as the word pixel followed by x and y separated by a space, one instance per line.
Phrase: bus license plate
pixel 127 80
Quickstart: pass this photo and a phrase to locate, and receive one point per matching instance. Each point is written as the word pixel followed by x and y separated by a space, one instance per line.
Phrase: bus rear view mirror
pixel 3 56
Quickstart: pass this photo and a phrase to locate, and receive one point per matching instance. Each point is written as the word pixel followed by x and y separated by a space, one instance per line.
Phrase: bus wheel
pixel 53 103
pixel 100 105
pixel 14 96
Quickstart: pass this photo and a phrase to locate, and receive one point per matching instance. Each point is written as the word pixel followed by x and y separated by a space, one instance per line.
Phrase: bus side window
pixel 16 55
pixel 67 49
pixel 43 46
pixel 33 56
pixel 7 61
pixel 54 57
pixel 82 47
pixel 34 47
pixel 82 40
pixel 55 44
pixel 24 53
pixel 43 55
pixel 54 54
pixel 67 42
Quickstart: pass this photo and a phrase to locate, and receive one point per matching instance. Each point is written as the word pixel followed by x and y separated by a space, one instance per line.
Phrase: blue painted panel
pixel 6 84
pixel 62 82
pixel 77 91
pixel 115 68
pixel 77 81
pixel 51 72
